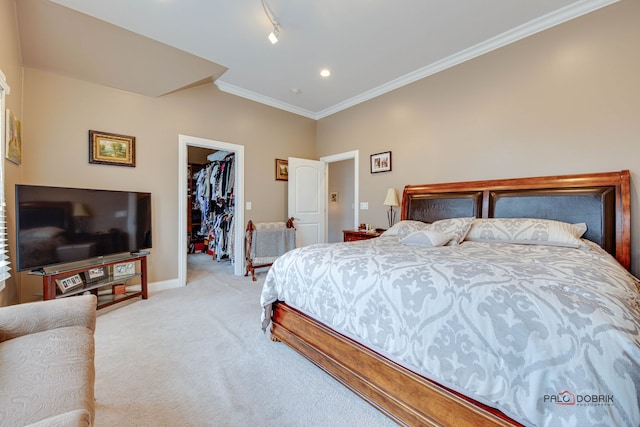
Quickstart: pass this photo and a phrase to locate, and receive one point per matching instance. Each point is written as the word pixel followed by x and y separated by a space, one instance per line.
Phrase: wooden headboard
pixel 601 200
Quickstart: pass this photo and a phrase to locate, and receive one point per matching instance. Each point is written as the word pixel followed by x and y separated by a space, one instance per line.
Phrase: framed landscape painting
pixel 112 149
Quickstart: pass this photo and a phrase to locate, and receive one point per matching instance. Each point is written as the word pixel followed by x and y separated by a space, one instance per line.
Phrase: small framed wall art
pixel 282 170
pixel 69 283
pixel 381 162
pixel 112 149
pixel 13 138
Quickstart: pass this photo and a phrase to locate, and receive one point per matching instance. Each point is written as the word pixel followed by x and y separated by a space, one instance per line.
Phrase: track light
pixel 275 33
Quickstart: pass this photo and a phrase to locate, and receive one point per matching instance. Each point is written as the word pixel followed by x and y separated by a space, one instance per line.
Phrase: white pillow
pixel 456 228
pixel 426 238
pixel 527 231
pixel 404 228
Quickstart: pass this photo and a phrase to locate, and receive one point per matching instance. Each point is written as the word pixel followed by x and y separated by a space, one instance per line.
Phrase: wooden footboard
pixel 402 395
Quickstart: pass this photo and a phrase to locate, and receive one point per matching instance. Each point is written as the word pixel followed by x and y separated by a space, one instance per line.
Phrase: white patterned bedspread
pixel 548 335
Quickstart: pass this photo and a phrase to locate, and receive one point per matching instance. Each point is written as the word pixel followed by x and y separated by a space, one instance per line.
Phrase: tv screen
pixel 57 225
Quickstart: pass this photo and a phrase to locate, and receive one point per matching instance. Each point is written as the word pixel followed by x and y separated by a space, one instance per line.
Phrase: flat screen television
pixel 58 225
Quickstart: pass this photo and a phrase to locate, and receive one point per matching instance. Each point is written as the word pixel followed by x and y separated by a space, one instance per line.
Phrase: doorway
pixel 341 202
pixel 342 171
pixel 185 141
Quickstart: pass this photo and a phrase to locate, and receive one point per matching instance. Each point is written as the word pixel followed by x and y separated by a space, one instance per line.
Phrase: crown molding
pixel 530 28
pixel 254 96
pixel 542 23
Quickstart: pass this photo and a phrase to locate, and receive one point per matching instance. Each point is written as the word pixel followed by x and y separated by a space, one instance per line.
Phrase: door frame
pixel 184 141
pixel 355 155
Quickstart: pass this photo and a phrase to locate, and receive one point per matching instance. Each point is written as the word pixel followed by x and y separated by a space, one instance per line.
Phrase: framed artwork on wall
pixel 381 162
pixel 13 139
pixel 282 170
pixel 112 149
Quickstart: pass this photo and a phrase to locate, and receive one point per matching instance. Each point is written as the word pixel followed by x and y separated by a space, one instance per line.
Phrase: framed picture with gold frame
pixel 112 149
pixel 13 141
pixel 282 170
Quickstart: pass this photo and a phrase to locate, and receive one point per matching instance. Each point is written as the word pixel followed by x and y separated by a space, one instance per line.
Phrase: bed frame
pixel 601 200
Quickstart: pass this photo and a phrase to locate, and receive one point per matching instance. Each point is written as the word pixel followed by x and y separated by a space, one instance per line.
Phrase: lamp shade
pixel 79 210
pixel 391 199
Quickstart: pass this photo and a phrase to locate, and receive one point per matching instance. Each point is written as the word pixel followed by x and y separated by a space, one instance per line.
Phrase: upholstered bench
pixel 47 370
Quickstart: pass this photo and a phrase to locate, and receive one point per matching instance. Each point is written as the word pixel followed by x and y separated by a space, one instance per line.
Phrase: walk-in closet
pixel 211 203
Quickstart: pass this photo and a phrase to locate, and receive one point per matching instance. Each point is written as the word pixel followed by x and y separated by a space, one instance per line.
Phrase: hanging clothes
pixel 215 199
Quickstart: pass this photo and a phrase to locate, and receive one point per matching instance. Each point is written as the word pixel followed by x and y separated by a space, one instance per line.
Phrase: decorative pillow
pixel 404 228
pixel 426 238
pixel 456 228
pixel 527 231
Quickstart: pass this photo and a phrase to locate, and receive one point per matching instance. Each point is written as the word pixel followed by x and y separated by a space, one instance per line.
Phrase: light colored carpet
pixel 196 356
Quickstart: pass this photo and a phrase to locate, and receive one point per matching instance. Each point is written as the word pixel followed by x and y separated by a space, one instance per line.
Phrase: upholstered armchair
pixel 47 370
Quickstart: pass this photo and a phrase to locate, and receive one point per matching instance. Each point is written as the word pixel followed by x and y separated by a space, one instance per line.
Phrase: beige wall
pixel 11 65
pixel 59 112
pixel 566 100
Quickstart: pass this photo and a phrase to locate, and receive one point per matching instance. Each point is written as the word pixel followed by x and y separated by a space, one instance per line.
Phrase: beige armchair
pixel 47 371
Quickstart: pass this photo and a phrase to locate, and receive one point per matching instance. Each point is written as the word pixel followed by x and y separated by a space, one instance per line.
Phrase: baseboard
pixel 163 285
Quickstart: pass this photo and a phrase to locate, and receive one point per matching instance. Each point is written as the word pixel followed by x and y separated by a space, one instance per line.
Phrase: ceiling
pixel 155 47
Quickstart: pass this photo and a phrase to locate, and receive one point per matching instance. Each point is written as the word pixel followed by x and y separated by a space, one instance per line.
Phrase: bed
pixel 491 330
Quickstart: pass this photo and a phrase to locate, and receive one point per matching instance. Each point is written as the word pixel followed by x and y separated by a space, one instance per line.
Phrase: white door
pixel 307 200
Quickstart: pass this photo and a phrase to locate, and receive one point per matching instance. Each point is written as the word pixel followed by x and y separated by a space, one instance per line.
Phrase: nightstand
pixel 353 235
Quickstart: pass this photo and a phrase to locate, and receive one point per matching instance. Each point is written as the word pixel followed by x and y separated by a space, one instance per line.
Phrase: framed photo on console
pixel 69 283
pixel 95 274
pixel 124 269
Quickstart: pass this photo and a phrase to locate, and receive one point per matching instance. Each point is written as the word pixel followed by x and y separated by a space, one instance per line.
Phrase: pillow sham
pixel 426 238
pixel 405 227
pixel 527 231
pixel 456 228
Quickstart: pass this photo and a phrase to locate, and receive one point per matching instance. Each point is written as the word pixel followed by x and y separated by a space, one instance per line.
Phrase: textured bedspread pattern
pixel 549 335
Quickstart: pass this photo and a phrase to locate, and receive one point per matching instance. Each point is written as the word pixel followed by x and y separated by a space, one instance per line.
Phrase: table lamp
pixel 391 200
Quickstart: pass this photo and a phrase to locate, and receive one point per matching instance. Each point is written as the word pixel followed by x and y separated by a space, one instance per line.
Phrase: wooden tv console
pixel 110 288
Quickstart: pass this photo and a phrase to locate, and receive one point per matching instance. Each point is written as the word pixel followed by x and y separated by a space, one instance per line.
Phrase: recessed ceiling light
pixel 325 72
